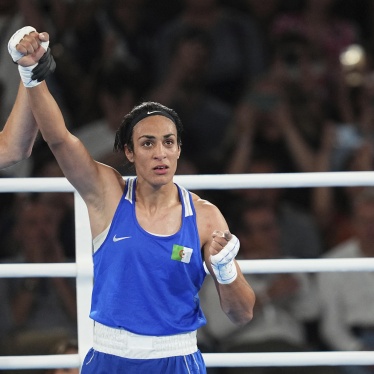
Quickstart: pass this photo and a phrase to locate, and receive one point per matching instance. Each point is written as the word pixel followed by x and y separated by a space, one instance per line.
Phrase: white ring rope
pixel 277 180
pixel 306 265
pixel 38 270
pixel 247 266
pixel 213 360
pixel 82 269
pixel 214 181
pixel 40 362
pixel 288 359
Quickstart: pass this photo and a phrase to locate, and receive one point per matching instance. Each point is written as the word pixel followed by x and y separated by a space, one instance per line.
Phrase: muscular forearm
pixel 236 295
pixel 47 114
pixel 52 127
pixel 237 299
pixel 67 149
pixel 19 133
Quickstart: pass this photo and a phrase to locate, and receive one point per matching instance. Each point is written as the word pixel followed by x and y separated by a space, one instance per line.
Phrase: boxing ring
pixel 82 268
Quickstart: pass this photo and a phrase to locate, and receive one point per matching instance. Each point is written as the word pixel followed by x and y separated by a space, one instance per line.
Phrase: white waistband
pixel 122 343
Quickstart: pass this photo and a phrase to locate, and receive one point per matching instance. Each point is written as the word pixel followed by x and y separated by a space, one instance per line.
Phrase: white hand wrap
pixel 24 71
pixel 223 262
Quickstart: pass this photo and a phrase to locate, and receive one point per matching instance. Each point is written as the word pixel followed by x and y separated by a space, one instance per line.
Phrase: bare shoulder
pixel 209 217
pixel 107 191
pixel 103 202
pixel 203 206
pixel 109 172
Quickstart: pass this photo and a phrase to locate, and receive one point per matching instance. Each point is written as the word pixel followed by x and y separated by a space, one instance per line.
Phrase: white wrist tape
pixel 24 71
pixel 223 262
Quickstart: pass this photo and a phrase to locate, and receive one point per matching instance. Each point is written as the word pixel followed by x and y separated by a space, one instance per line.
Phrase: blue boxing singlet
pixel 144 283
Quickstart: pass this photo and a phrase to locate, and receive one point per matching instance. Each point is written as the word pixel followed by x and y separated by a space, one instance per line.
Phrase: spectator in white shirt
pixel 285 303
pixel 347 298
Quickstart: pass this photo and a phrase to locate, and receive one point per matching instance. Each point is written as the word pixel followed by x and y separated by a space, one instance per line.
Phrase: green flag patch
pixel 182 254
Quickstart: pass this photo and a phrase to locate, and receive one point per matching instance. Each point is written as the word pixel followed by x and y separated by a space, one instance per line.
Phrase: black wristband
pixel 46 66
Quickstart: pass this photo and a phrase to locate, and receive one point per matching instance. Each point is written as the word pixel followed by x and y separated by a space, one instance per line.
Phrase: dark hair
pixel 125 130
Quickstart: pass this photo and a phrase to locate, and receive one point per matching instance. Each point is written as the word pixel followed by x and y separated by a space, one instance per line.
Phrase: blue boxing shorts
pixel 97 362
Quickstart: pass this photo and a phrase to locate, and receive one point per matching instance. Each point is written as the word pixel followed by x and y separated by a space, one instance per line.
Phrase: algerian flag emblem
pixel 181 253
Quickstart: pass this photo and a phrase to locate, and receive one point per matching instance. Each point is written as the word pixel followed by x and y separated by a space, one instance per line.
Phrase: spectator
pixel 129 27
pixel 66 346
pixel 79 48
pixel 120 87
pixel 283 114
pixel 13 15
pixel 62 203
pixel 42 310
pixel 286 303
pixel 300 235
pixel 332 206
pixel 347 298
pixel 206 118
pixel 11 18
pixel 361 91
pixel 319 21
pixel 236 56
pixel 263 14
pixel 284 107
pixel 7 211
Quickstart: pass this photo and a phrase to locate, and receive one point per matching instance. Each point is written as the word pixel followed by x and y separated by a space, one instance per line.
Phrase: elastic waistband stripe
pixel 122 343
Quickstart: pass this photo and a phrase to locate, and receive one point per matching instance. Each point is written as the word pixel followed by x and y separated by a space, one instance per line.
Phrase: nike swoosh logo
pixel 115 239
pixel 154 112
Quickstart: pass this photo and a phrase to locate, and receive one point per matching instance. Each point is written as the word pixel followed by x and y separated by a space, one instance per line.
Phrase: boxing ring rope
pixel 82 268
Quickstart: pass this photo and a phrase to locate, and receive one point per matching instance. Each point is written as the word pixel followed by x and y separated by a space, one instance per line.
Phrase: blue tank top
pixel 149 284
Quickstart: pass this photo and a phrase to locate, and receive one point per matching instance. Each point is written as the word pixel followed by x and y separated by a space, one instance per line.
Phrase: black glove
pixel 46 66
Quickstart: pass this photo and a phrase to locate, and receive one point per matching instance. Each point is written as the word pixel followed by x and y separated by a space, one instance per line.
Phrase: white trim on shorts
pixel 122 343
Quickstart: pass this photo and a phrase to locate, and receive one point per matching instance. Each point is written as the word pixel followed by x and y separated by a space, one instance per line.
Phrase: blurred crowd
pixel 261 86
